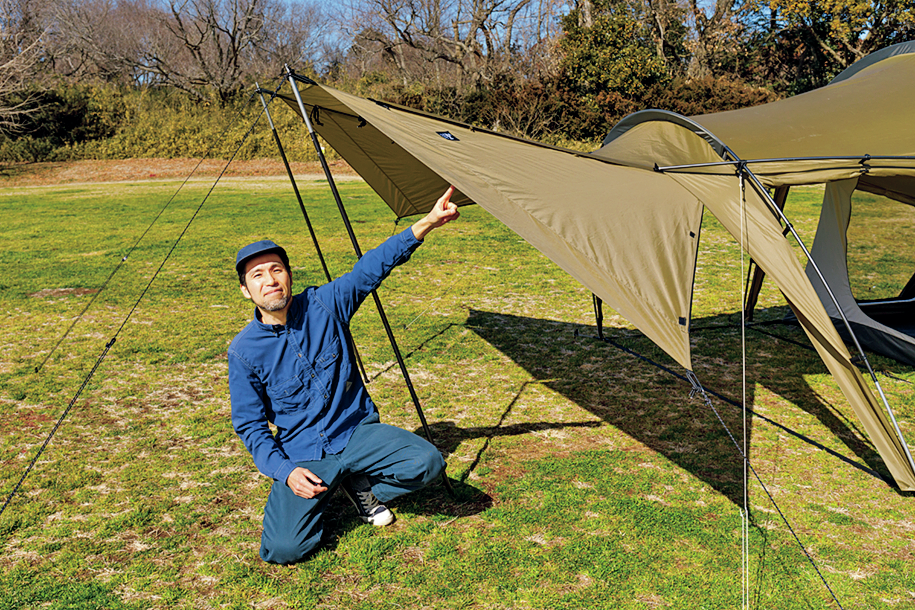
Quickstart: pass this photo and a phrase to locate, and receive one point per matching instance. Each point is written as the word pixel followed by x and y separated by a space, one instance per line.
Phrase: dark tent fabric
pixel 628 233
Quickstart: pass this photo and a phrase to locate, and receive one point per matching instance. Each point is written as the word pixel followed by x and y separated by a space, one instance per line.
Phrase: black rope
pixel 112 341
pixel 734 403
pixel 57 425
pixel 136 244
pixel 896 377
pixel 754 326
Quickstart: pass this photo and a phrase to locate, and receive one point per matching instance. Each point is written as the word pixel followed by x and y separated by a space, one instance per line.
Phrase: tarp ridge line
pixel 358 146
pixel 472 128
pixel 860 159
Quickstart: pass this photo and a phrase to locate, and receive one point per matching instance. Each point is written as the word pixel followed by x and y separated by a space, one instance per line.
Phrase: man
pixel 292 366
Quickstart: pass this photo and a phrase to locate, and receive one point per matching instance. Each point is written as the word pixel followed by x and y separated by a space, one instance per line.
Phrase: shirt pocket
pixel 289 395
pixel 326 367
pixel 328 357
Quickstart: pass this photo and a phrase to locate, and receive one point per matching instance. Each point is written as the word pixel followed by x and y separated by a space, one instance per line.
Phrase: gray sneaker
pixel 359 491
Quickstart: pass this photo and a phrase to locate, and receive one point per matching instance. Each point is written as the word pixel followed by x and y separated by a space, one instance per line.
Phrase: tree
pixel 104 40
pixel 20 54
pixel 666 18
pixel 805 44
pixel 452 42
pixel 207 48
pixel 716 33
pixel 615 54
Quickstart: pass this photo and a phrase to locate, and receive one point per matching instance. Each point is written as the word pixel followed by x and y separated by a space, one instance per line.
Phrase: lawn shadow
pixel 654 407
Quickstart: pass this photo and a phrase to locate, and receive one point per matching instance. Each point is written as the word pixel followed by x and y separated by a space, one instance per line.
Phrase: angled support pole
pixel 311 231
pixel 729 158
pixel 779 212
pixel 291 77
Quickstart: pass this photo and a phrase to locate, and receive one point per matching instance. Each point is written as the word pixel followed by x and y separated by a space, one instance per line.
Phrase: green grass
pixel 584 477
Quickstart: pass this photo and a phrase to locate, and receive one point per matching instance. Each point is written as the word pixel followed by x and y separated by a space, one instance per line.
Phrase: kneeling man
pixel 292 366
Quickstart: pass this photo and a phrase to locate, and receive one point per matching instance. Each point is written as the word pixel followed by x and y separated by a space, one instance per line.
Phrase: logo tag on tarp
pixel 448 136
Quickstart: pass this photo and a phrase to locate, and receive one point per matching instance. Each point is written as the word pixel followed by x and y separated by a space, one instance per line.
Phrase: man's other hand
pixel 305 483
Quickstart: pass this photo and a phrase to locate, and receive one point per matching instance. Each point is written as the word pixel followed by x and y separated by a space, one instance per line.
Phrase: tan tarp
pixel 626 232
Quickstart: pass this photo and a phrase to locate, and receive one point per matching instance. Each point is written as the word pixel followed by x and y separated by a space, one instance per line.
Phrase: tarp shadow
pixel 654 407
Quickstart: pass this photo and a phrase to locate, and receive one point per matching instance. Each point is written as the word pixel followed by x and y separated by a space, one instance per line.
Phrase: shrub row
pixel 104 122
pixel 99 122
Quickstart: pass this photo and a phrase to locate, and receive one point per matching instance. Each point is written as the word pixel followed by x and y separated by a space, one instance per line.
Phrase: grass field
pixel 584 477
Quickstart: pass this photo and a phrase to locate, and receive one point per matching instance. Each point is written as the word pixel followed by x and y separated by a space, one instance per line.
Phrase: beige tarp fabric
pixel 626 232
pixel 670 144
pixel 763 240
pixel 868 113
pixel 610 227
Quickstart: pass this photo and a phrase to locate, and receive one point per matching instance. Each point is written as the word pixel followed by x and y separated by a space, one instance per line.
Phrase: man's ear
pixel 244 291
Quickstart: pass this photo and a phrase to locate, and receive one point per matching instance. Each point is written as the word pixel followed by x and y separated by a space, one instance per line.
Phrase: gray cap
pixel 256 249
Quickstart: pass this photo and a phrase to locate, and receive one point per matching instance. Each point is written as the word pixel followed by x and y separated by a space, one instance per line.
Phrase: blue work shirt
pixel 302 376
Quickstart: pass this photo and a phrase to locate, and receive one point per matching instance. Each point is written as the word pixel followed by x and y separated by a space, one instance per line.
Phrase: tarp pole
pixel 859 159
pixel 762 192
pixel 349 229
pixel 311 231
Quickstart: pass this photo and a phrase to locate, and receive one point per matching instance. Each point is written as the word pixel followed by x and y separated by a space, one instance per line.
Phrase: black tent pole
pixel 779 213
pixel 598 315
pixel 743 171
pixel 349 229
pixel 314 238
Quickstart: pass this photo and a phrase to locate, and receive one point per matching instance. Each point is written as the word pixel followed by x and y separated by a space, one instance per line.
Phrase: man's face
pixel 267 282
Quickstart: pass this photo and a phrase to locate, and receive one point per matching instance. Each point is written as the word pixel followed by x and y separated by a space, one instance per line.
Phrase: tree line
pixel 75 71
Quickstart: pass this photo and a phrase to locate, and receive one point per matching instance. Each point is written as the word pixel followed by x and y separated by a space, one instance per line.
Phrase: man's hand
pixel 443 211
pixel 305 483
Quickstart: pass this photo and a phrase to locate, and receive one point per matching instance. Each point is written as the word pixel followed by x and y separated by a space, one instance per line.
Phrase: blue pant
pixel 394 460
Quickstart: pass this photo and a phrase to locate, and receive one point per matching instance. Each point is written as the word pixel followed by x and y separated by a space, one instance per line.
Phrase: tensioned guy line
pixel 136 244
pixel 155 275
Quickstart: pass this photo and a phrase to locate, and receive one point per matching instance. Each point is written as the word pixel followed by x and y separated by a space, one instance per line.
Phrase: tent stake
pixel 311 231
pixel 349 229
